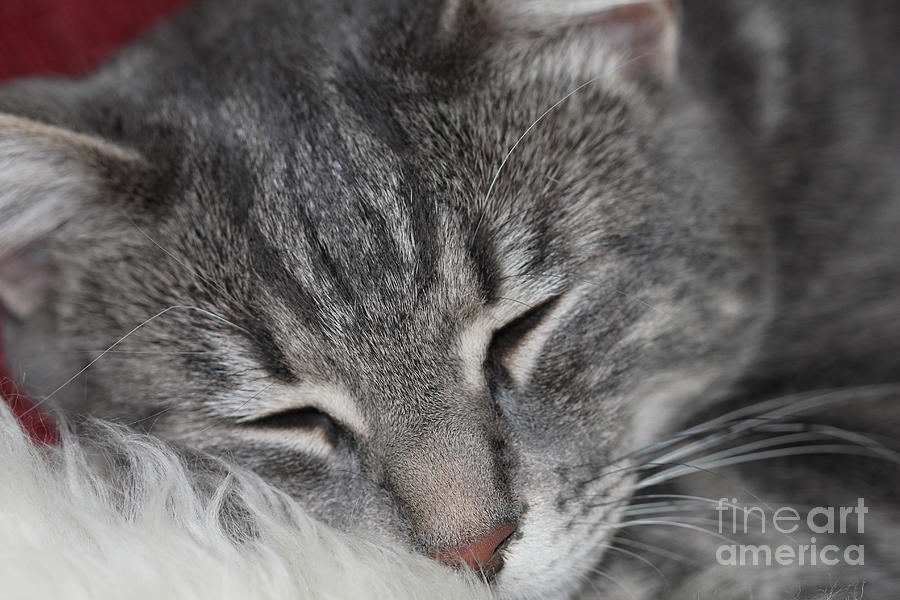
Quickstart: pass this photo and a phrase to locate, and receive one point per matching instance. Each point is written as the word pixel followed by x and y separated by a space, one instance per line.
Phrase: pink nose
pixel 482 554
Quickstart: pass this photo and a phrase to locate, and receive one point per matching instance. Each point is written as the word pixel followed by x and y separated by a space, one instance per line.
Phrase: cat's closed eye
pixel 304 419
pixel 507 348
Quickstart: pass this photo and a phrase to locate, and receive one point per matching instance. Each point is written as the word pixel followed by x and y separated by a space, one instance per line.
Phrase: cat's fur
pixel 332 204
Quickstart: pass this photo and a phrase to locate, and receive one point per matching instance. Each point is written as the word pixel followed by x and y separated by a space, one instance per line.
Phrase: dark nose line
pixel 482 554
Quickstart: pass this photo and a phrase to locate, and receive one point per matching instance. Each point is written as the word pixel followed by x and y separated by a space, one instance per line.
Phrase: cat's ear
pixel 642 34
pixel 49 178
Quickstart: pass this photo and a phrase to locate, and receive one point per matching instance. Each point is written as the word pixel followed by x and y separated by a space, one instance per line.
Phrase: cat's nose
pixel 483 554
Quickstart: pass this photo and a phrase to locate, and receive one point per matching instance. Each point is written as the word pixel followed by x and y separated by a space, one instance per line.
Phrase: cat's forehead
pixel 357 195
pixel 376 202
pixel 346 244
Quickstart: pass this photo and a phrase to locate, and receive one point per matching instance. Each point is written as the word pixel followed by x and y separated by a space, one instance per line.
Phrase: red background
pixel 69 36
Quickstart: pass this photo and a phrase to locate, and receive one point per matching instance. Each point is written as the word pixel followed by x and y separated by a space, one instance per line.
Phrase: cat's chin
pixel 528 573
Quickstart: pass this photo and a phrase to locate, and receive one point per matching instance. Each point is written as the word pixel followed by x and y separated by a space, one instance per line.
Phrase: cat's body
pixel 369 211
pixel 815 92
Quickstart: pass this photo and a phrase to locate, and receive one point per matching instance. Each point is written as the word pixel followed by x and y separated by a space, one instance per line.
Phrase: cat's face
pixel 337 284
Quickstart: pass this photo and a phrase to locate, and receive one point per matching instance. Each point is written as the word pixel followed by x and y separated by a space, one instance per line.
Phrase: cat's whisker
pixel 487 196
pixel 862 440
pixel 238 409
pixel 129 352
pixel 122 339
pixel 651 464
pixel 618 583
pixel 691 468
pixel 668 554
pixel 634 298
pixel 665 507
pixel 836 396
pixel 104 353
pixel 688 514
pixel 813 433
pixel 151 352
pixel 196 274
pixel 155 416
pixel 774 409
pixel 676 497
pixel 748 419
pixel 675 439
pixel 669 475
pixel 788 439
pixel 666 523
pixel 584 577
pixel 695 503
pixel 708 439
pixel 798 404
pixel 693 448
pixel 634 555
pixel 731 434
pixel 680 518
pixel 678 500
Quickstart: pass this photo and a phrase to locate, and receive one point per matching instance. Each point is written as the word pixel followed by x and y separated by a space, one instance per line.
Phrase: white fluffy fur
pixel 68 532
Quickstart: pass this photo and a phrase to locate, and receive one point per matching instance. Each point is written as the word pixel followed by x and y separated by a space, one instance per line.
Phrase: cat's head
pixel 434 268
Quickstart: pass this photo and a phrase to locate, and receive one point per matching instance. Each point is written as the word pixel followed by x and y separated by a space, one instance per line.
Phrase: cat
pixel 524 286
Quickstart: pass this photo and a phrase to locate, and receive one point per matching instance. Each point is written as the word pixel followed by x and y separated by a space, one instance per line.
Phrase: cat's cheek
pixel 564 532
pixel 321 484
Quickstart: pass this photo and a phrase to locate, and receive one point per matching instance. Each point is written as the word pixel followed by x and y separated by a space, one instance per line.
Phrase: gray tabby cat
pixel 525 285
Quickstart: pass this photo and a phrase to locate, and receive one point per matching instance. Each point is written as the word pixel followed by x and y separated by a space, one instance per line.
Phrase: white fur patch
pixel 70 532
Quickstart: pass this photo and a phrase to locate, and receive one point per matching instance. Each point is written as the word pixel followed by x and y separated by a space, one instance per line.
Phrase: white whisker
pixel 640 558
pixel 243 404
pixel 487 196
pixel 615 581
pixel 193 271
pixel 149 352
pixel 757 445
pixel 795 404
pixel 770 454
pixel 663 507
pixel 122 339
pixel 649 522
pixel 619 539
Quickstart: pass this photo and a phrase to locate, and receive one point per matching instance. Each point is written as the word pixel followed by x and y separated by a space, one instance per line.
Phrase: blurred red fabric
pixel 70 37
